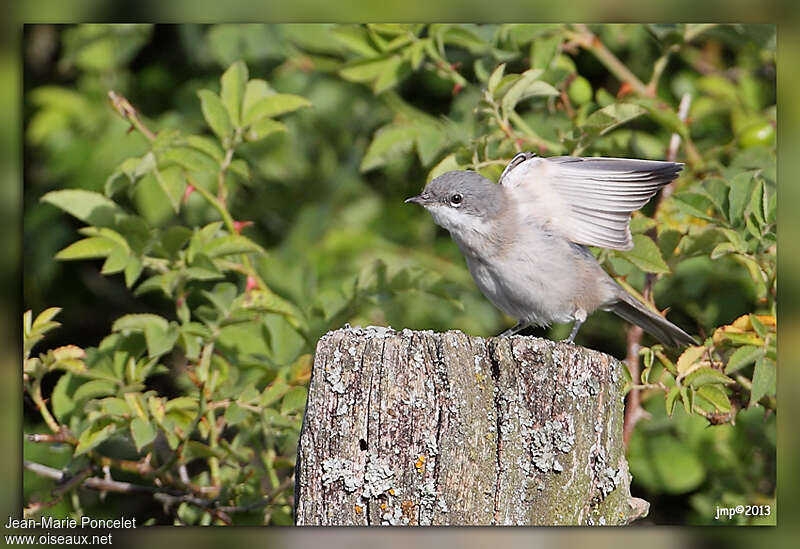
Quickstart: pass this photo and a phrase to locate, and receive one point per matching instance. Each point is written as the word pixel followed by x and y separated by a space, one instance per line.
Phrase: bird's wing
pixel 587 200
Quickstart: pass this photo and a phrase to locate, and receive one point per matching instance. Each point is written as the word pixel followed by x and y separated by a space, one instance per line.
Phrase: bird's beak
pixel 419 199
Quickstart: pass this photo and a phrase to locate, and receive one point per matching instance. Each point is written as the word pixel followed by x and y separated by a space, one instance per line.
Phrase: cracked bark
pixel 428 428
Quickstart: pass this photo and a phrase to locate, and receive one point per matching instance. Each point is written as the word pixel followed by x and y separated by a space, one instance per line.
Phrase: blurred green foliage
pixel 238 218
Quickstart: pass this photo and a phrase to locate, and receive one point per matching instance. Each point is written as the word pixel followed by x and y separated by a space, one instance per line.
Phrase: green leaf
pixel 216 115
pixel 274 392
pixel 93 389
pixel 143 433
pixel 694 204
pixel 716 395
pixel 446 164
pixel 668 240
pixel 116 261
pixel 704 375
pixel 159 340
pixel 690 356
pixel 671 396
pixel 738 196
pixel 232 244
pixel 544 50
pixel 606 119
pixel 207 146
pixel 528 85
pixel 764 378
pixel 233 83
pixel 646 255
pixel 494 79
pixel 742 357
pixel 138 322
pixel 367 70
pixel 389 141
pixel 676 464
pixel 173 183
pixel 93 436
pixel 189 158
pixel 642 224
pixel 263 128
pixel 88 206
pixel 393 72
pixel 235 414
pixel 133 270
pixel 355 39
pixel 294 401
pixel 62 401
pixel 88 248
pixel 275 105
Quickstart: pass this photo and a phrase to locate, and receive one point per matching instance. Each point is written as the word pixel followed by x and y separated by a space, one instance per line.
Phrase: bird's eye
pixel 456 200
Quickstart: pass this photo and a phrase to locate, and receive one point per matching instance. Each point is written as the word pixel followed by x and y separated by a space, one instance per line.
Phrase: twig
pixel 633 402
pixel 588 41
pixel 129 113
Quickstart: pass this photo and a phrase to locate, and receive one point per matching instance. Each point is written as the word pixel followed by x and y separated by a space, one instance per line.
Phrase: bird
pixel 525 239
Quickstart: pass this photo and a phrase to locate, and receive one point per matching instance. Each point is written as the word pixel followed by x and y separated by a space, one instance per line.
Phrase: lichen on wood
pixel 424 428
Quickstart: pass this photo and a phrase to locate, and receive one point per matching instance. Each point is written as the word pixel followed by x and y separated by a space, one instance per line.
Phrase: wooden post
pixel 426 428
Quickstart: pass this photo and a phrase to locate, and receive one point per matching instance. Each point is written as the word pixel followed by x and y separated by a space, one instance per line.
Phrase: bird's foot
pixel 518 327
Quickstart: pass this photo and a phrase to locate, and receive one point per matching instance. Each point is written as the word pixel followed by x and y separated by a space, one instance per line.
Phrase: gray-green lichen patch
pixel 334 469
pixel 606 478
pixel 378 478
pixel 550 440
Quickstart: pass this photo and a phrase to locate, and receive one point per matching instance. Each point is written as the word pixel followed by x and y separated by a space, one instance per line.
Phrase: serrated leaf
pixel 738 196
pixel 367 70
pixel 275 105
pixel 704 375
pixel 216 115
pixel 646 255
pixel 722 249
pixel 670 399
pixel 764 380
pixel 88 248
pixel 142 432
pixel 93 436
pixel 742 357
pixel 606 119
pixel 173 183
pixel 691 355
pixel 521 87
pixel 88 206
pixel 233 84
pixel 716 395
pixel 694 204
pixel 93 389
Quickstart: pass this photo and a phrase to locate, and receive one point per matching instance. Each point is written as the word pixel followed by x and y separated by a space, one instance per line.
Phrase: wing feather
pixel 587 200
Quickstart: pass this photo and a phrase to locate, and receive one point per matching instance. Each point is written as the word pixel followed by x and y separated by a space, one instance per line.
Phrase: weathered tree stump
pixel 428 428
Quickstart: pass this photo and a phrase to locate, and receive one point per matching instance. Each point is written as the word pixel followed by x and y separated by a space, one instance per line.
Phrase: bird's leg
pixel 580 317
pixel 518 327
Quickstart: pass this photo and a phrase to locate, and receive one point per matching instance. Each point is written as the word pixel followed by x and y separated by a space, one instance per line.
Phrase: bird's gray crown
pixel 467 191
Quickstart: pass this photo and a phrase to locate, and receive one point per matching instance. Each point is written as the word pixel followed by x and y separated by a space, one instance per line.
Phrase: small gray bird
pixel 525 238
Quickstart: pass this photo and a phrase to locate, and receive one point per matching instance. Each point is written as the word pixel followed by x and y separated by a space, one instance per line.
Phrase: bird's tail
pixel 635 312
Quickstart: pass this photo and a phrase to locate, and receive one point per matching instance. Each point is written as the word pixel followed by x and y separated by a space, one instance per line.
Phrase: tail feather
pixel 635 312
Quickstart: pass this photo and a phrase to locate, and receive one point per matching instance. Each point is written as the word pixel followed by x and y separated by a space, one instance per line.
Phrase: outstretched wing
pixel 587 200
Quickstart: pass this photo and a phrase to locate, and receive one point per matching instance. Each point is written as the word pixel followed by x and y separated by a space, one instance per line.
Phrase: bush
pixel 252 215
